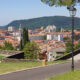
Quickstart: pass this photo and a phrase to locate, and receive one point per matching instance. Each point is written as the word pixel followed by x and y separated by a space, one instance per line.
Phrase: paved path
pixel 40 73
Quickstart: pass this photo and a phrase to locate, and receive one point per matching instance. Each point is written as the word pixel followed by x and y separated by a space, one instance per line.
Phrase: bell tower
pixel 20 32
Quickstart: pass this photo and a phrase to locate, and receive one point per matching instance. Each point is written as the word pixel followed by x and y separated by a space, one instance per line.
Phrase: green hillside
pixel 59 21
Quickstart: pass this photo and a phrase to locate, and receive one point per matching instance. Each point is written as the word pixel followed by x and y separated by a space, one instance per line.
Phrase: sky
pixel 26 9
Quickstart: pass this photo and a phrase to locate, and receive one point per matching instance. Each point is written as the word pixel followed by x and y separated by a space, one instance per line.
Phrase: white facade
pixel 10 28
pixel 55 37
pixel 50 56
pixel 53 53
pixel 48 37
pixel 50 28
pixel 60 37
pixel 18 34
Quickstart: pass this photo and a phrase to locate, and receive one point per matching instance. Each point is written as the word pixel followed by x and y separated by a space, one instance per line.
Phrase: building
pixel 53 53
pixel 53 36
pixel 3 32
pixel 50 28
pixel 10 28
pixel 18 33
pixel 36 37
pixel 2 38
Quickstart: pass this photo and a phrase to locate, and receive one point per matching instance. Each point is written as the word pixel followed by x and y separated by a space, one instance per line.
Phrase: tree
pixel 31 50
pixel 66 38
pixel 0 47
pixel 25 37
pixel 21 46
pixel 60 2
pixel 68 47
pixel 44 37
pixel 58 30
pixel 77 46
pixel 8 46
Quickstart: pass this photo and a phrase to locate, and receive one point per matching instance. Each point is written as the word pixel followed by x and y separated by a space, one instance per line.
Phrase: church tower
pixel 20 32
pixel 62 30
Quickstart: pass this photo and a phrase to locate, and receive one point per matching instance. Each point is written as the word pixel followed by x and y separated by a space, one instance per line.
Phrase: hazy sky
pixel 24 9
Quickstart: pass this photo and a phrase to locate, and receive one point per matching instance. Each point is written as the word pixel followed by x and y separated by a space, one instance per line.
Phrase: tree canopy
pixel 31 50
pixel 60 2
pixel 7 46
pixel 25 36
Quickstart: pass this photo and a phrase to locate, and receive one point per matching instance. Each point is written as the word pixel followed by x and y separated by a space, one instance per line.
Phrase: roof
pixel 69 55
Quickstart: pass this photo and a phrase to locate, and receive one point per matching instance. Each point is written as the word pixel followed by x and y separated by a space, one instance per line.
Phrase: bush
pixel 31 50
pixel 7 46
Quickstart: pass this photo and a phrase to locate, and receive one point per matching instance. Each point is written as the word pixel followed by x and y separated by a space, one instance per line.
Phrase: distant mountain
pixel 58 21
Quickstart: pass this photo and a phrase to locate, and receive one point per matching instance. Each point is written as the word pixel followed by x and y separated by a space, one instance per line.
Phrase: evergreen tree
pixel 25 37
pixel 21 46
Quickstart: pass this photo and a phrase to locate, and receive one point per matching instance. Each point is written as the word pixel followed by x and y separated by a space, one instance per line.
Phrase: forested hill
pixel 58 21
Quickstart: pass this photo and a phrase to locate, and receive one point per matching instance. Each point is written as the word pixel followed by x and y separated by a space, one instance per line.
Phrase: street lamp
pixel 72 12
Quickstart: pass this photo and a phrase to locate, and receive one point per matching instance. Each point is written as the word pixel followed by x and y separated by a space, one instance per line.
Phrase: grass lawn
pixel 1 57
pixel 59 61
pixel 13 66
pixel 68 76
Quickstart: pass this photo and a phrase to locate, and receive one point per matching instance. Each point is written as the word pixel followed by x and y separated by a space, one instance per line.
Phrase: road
pixel 41 73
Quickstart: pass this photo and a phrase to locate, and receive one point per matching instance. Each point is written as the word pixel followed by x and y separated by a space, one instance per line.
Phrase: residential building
pixel 10 28
pixel 18 33
pixel 53 53
pixel 36 37
pixel 53 36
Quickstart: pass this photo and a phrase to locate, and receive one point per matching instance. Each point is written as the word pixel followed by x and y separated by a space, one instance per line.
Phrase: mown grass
pixel 13 66
pixel 68 76
pixel 59 61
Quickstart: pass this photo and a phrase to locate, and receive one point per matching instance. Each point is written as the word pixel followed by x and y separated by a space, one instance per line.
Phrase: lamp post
pixel 72 12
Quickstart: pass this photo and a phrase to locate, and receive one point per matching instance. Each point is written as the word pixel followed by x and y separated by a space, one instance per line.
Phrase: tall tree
pixel 21 45
pixel 25 36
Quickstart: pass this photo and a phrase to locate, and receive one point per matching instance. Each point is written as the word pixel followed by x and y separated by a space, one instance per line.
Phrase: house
pixel 54 36
pixel 2 38
pixel 53 53
pixel 36 37
pixel 3 32
pixel 10 28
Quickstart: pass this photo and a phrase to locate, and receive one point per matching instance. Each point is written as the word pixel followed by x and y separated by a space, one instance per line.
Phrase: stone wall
pixel 14 56
pixel 9 52
pixel 16 60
